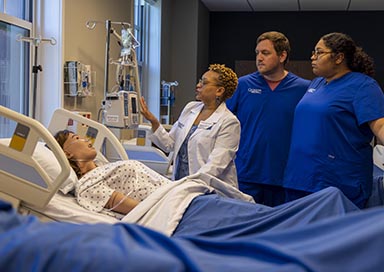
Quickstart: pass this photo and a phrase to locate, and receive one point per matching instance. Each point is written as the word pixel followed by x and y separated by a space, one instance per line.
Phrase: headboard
pixel 101 137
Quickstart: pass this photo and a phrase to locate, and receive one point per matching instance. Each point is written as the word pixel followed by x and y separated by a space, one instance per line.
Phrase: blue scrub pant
pixel 265 194
pixel 291 194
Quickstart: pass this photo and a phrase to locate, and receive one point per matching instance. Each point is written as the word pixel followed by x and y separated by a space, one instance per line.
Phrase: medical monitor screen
pixel 134 105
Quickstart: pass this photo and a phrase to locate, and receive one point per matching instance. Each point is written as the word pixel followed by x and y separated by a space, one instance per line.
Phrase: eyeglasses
pixel 318 53
pixel 205 83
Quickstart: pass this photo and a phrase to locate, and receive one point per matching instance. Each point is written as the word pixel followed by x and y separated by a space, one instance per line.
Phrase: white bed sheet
pixel 64 208
pixel 163 209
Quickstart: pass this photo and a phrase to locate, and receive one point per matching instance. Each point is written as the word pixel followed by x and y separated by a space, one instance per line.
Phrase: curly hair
pixel 279 40
pixel 357 60
pixel 227 79
pixel 61 136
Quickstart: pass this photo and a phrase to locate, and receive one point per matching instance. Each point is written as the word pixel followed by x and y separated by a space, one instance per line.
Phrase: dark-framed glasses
pixel 204 82
pixel 318 53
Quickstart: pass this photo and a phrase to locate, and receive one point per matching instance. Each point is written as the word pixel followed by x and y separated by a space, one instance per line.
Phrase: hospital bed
pixel 56 202
pixel 350 242
pixel 50 161
pixel 321 232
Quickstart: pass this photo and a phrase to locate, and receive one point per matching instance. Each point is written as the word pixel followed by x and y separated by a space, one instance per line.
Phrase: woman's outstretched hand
pixel 148 115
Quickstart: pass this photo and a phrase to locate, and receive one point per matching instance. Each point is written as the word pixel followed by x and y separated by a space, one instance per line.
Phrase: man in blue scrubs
pixel 264 103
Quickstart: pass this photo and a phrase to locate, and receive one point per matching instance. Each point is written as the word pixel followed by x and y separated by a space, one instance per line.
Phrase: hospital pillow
pixel 49 163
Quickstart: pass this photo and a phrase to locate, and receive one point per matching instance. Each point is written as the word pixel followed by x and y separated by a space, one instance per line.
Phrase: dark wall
pixel 233 34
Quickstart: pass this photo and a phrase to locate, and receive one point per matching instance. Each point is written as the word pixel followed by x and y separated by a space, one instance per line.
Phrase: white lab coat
pixel 211 148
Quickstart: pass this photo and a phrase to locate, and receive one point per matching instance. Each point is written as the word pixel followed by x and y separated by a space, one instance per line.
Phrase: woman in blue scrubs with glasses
pixel 335 122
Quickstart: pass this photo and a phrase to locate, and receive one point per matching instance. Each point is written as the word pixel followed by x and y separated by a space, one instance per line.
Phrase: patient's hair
pixel 227 79
pixel 61 136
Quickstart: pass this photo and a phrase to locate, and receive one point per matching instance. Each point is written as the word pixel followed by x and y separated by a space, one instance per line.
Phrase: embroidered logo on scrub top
pixel 180 125
pixel 311 90
pixel 255 91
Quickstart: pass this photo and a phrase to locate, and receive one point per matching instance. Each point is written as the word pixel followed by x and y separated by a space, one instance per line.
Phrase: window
pixel 17 8
pixel 139 33
pixel 147 23
pixel 15 17
pixel 139 26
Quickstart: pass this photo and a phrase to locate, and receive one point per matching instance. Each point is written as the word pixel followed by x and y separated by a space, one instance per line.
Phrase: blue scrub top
pixel 266 118
pixel 331 136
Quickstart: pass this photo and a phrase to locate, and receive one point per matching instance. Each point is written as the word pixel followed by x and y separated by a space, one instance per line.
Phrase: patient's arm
pixel 120 203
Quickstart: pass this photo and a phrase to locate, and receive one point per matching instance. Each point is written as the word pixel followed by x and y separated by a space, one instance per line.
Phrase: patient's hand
pixel 120 203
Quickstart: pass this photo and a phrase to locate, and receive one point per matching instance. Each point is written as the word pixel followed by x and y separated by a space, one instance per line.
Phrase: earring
pixel 218 101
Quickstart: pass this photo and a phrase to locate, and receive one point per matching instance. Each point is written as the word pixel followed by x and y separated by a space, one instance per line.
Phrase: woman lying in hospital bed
pixel 117 186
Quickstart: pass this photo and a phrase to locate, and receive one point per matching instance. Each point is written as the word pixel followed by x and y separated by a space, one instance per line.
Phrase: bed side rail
pixel 22 179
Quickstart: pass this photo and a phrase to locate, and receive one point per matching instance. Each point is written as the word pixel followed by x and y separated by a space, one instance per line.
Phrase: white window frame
pixel 150 60
pixel 24 104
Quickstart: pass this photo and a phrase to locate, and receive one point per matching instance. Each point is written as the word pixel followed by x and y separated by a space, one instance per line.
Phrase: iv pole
pixel 110 30
pixel 35 68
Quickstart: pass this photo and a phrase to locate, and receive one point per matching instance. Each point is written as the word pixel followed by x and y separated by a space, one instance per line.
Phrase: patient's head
pixel 78 150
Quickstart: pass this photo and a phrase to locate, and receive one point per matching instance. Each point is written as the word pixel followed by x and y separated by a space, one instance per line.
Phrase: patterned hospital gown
pixel 130 177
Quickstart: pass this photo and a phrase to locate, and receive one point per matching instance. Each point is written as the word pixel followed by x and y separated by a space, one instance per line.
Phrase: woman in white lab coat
pixel 206 136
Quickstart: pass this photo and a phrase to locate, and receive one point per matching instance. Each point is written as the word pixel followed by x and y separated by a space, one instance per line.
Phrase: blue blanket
pixel 226 218
pixel 302 236
pixel 377 196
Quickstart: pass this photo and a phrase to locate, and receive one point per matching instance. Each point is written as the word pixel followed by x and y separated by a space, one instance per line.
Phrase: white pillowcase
pixel 47 160
pixel 45 157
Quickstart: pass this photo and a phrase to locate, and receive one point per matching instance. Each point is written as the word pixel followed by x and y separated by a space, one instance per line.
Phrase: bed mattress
pixel 64 208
